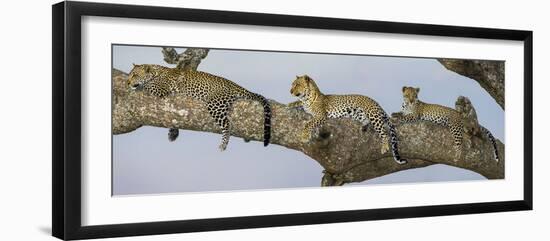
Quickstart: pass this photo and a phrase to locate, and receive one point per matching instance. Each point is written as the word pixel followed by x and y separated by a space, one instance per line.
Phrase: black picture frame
pixel 66 167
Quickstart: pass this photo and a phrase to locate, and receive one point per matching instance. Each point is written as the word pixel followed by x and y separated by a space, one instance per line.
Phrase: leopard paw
pixel 385 148
pixel 222 146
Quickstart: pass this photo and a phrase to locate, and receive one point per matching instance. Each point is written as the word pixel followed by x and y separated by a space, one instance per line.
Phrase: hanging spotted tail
pixel 267 115
pixel 493 141
pixel 394 142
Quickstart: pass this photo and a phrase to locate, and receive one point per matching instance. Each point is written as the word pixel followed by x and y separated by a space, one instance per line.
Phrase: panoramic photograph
pixel 192 119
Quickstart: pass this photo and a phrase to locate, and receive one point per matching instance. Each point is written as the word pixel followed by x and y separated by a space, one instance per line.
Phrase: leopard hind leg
pixel 377 122
pixel 382 125
pixel 457 133
pixel 366 123
pixel 219 110
pixel 366 120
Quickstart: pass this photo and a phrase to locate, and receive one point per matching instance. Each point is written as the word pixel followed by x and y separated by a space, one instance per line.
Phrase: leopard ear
pixel 147 68
pixel 417 90
pixel 404 88
pixel 306 77
pixel 134 65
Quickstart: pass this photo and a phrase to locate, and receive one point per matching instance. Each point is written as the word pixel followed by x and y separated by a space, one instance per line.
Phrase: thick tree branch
pixel 489 74
pixel 347 154
pixel 188 60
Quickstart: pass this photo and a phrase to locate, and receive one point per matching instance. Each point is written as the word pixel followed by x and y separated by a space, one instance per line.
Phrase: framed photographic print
pixel 170 120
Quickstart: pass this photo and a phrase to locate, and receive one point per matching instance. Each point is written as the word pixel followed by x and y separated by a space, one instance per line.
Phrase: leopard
pixel 356 107
pixel 414 110
pixel 218 93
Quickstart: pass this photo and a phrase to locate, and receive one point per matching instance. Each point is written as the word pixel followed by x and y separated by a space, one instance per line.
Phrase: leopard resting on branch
pixel 216 92
pixel 357 107
pixel 414 110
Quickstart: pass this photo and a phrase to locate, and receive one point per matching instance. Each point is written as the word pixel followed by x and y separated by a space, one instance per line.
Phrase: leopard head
pixel 140 75
pixel 410 95
pixel 304 87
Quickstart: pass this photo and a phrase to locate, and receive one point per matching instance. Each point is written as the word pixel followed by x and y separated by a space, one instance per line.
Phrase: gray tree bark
pixel 489 74
pixel 346 153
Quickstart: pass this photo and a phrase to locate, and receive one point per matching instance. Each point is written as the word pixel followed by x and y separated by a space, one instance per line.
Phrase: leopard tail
pixel 394 142
pixel 493 142
pixel 267 115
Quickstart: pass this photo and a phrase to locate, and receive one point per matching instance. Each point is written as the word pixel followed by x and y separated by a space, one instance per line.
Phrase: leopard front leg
pixel 311 125
pixel 173 134
pixel 157 88
pixel 295 104
pixel 408 118
pixel 161 91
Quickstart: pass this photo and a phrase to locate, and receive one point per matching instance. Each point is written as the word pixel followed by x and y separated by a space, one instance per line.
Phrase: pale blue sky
pixel 144 162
